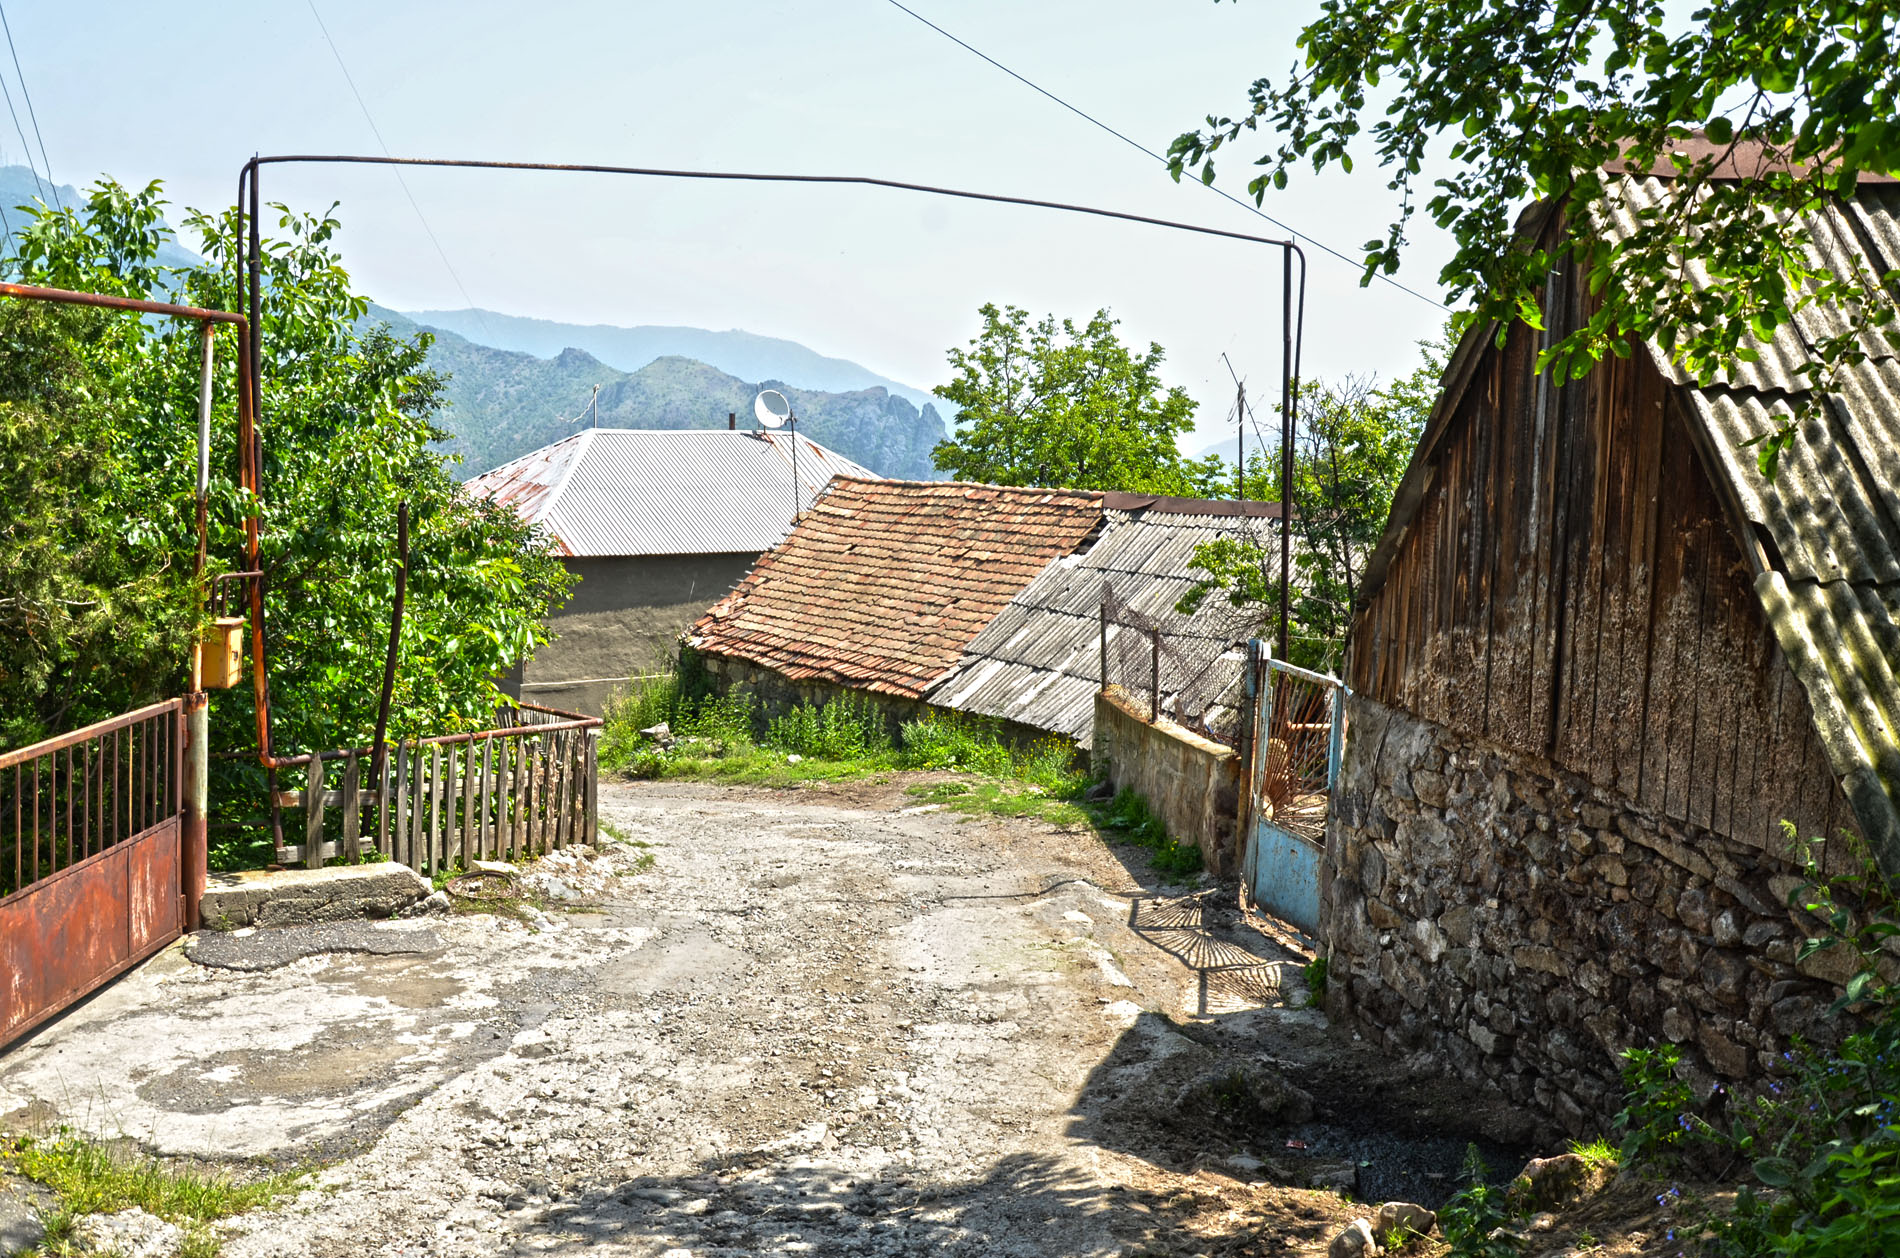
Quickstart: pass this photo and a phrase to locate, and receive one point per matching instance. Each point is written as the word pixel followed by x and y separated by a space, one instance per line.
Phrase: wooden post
pixel 1154 678
pixel 486 836
pixel 384 797
pixel 397 789
pixel 1104 613
pixel 446 857
pixel 418 805
pixel 563 786
pixel 313 817
pixel 434 839
pixel 593 789
pixel 352 848
pixel 471 847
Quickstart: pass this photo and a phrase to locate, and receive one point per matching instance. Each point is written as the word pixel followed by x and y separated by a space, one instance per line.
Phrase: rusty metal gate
pixel 97 862
pixel 1298 733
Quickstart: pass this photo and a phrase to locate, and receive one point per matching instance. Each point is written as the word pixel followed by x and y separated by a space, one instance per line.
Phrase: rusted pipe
pixel 207 332
pixel 69 297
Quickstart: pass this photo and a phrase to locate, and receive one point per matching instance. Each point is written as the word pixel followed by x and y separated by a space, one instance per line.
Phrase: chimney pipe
pixel 732 420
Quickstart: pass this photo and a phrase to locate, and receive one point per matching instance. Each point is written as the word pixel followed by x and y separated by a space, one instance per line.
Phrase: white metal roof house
pixel 658 524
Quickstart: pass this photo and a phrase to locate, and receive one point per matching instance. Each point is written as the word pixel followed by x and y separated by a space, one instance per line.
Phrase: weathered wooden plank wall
pixel 1570 588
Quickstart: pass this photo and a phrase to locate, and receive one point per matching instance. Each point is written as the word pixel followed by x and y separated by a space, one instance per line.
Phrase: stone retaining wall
pixel 1190 782
pixel 1511 922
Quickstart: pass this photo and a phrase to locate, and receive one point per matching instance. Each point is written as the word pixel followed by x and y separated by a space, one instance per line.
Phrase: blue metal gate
pixel 1298 734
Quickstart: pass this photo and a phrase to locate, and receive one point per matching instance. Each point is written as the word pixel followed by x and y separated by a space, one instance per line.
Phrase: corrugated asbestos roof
pixel 1039 661
pixel 884 583
pixel 700 491
pixel 1830 580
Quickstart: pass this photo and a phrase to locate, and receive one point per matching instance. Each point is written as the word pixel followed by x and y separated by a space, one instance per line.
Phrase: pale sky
pixel 886 279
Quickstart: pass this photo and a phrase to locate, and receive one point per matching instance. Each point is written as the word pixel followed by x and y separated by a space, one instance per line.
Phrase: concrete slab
pixel 272 947
pixel 290 897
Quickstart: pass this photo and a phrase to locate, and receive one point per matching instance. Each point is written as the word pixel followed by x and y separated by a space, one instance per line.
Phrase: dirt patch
pixel 812 1021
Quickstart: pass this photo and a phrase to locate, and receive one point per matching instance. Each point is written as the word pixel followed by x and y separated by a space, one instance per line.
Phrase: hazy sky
pixel 884 278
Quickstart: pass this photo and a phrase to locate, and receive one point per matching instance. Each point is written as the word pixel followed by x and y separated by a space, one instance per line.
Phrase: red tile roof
pixel 884 583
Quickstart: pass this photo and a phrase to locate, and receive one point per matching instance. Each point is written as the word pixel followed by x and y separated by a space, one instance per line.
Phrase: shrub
pixel 849 727
pixel 954 741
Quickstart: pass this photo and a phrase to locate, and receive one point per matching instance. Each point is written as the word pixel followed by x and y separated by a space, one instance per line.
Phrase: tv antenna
pixel 772 414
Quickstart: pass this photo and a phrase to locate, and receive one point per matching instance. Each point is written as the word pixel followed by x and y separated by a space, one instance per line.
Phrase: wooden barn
pixel 1597 661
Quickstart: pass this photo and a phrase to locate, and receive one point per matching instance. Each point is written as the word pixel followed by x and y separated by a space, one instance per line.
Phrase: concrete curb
pixel 300 896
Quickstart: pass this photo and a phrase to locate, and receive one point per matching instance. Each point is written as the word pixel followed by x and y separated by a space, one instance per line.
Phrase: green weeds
pixel 88 1177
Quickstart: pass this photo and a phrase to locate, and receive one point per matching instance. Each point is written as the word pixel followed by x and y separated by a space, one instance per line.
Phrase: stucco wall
pixel 623 620
pixel 1514 923
pixel 1192 783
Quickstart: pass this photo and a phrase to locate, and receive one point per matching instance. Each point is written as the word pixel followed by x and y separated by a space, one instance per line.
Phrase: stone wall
pixel 1513 923
pixel 1190 782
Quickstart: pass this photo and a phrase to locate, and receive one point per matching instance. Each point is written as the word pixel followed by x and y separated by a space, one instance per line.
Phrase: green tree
pixel 1538 97
pixel 1351 450
pixel 346 434
pixel 95 606
pixel 1053 404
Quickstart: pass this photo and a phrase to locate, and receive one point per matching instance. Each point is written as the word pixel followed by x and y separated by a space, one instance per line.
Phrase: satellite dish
pixel 770 413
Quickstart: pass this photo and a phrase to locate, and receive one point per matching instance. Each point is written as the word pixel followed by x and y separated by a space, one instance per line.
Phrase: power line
pixel 374 130
pixel 26 150
pixel 1321 245
pixel 30 112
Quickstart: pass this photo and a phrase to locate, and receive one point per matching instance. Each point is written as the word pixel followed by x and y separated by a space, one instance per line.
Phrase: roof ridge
pixel 588 437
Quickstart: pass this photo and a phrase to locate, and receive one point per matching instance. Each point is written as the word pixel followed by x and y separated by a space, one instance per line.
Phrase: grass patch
pixel 88 1177
pixel 1129 816
pixel 1001 799
pixel 1598 1154
pixel 726 739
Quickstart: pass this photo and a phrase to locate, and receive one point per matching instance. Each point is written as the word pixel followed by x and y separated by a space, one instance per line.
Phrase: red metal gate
pixel 99 864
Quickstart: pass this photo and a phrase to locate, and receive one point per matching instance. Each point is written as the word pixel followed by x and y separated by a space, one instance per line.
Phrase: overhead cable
pixel 377 132
pixel 30 112
pixel 1138 146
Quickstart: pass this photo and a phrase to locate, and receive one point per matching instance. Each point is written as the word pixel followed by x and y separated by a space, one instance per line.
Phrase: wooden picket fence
pixel 523 788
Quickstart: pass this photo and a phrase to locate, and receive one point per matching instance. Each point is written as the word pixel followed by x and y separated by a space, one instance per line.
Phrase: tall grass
pixel 847 735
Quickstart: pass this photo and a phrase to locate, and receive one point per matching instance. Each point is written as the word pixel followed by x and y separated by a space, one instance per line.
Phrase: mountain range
pixel 504 403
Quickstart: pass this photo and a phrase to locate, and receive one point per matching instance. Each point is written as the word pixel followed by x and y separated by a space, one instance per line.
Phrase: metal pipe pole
pixel 197 782
pixel 1286 444
pixel 207 331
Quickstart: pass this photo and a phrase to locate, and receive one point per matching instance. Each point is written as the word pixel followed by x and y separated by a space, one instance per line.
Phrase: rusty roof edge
pixel 1119 500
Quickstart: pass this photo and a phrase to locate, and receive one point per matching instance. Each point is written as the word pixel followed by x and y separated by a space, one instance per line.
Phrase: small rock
pixel 1245 1163
pixel 1547 1183
pixel 1356 1241
pixel 130 1234
pixel 436 903
pixel 660 733
pixel 502 868
pixel 1404 1217
pixel 1342 1178
pixel 1099 792
pixel 794 758
pixel 1544 1222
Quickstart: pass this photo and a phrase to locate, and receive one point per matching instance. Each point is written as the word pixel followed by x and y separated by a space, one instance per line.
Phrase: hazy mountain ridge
pixel 745 355
pixel 504 403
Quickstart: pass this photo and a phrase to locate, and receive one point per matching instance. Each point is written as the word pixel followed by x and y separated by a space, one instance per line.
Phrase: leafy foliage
pixel 1351 449
pixel 1053 404
pixel 1537 98
pixel 95 603
pixel 1471 1218
pixel 345 432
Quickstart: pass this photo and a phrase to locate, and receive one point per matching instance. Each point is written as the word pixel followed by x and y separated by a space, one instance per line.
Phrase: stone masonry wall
pixel 1510 922
pixel 1190 782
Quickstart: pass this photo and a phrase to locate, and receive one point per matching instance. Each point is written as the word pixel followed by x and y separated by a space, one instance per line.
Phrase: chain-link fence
pixel 1189 669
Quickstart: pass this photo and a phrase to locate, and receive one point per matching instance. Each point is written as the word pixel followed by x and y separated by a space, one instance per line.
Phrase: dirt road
pixel 820 1021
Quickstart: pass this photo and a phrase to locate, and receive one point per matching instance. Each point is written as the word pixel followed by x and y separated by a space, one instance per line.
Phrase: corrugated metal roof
pixel 1039 661
pixel 1831 587
pixel 700 491
pixel 884 583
